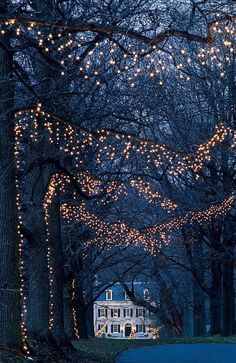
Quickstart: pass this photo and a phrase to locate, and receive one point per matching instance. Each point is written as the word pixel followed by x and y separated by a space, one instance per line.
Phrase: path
pixel 181 353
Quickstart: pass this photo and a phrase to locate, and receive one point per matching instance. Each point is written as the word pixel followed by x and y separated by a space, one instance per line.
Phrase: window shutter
pixel 131 312
pixel 106 329
pixel 136 328
pixel 112 314
pixel 106 313
pixel 111 328
pixel 144 329
pixel 136 313
pixel 124 313
pixel 144 312
pixel 99 313
pixel 118 313
pixel 119 328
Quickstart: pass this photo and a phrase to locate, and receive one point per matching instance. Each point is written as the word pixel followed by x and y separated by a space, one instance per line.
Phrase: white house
pixel 115 316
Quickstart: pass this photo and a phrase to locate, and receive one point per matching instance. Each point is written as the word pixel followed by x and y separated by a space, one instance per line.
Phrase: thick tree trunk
pixel 199 312
pixel 228 293
pixel 9 241
pixel 199 309
pixel 38 289
pixel 68 317
pixel 57 265
pixel 90 320
pixel 81 308
pixel 216 297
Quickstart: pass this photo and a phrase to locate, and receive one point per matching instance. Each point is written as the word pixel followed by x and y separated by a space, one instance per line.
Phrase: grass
pixel 105 350
pixel 100 350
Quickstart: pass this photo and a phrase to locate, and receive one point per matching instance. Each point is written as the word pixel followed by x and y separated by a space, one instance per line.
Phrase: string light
pixel 24 336
pixel 135 60
pixel 74 139
pixel 74 315
pixel 200 217
pixel 151 238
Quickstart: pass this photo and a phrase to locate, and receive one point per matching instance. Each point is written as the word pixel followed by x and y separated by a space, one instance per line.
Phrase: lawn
pixel 98 350
pixel 105 350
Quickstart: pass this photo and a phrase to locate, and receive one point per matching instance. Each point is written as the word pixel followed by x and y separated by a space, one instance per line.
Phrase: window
pixel 140 313
pixel 146 294
pixel 109 295
pixel 115 328
pixel 115 313
pixel 128 313
pixel 126 296
pixel 140 328
pixel 102 312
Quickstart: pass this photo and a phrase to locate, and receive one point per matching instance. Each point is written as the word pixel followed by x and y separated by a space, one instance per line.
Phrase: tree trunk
pixel 38 291
pixel 38 287
pixel 199 309
pixel 216 297
pixel 58 278
pixel 90 322
pixel 57 265
pixel 9 240
pixel 80 308
pixel 68 317
pixel 228 293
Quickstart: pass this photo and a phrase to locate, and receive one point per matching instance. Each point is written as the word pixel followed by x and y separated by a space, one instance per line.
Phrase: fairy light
pixel 148 58
pixel 56 184
pixel 180 162
pixel 151 238
pixel 145 189
pixel 205 216
pixel 74 315
pixel 24 336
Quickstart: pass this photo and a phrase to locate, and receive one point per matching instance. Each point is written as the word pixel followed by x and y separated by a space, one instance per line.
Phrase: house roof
pixel 118 292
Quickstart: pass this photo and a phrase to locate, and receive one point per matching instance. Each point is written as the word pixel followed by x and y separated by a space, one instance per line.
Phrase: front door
pixel 128 329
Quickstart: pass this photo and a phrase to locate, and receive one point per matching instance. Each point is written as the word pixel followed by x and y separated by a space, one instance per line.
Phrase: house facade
pixel 115 316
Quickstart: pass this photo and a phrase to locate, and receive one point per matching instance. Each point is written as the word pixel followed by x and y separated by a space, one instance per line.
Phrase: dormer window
pixel 146 294
pixel 109 295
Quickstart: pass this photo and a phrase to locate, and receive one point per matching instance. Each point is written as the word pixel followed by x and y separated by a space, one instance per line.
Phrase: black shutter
pixel 136 313
pixel 124 313
pixel 144 329
pixel 106 313
pixel 131 312
pixel 136 328
pixel 106 329
pixel 119 328
pixel 118 313
pixel 112 313
pixel 111 328
pixel 99 313
pixel 144 312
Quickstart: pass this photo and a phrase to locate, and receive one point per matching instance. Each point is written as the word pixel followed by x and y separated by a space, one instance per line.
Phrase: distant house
pixel 115 316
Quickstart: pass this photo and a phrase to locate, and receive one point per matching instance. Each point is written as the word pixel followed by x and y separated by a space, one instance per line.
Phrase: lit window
pixel 146 294
pixel 109 295
pixel 115 313
pixel 116 328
